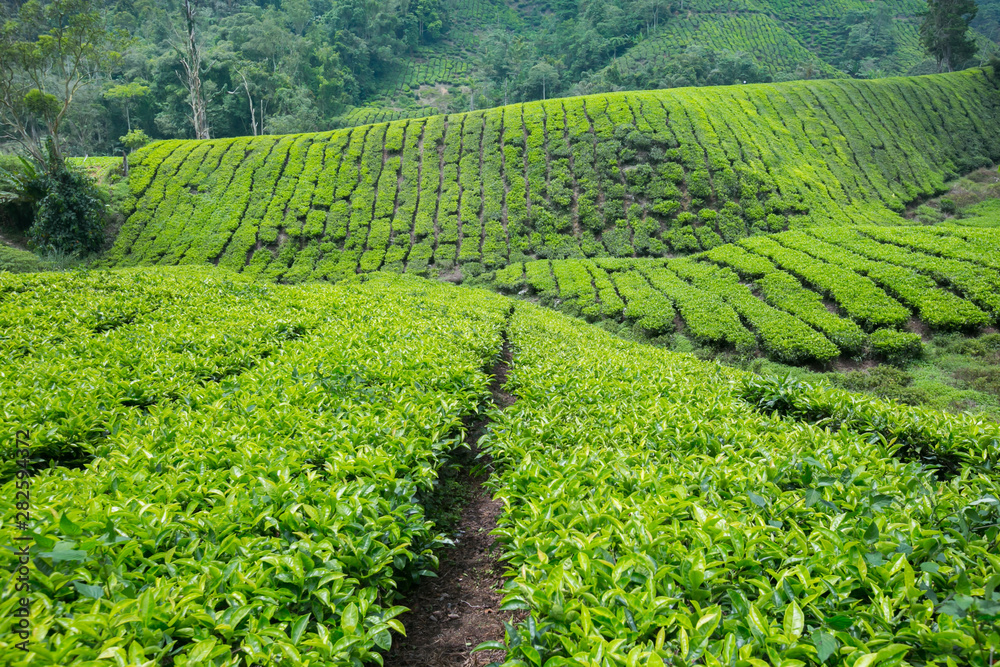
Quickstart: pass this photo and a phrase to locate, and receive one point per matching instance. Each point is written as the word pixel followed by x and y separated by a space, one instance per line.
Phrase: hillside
pixel 620 175
pixel 798 296
pixel 667 45
pixel 784 35
pixel 220 461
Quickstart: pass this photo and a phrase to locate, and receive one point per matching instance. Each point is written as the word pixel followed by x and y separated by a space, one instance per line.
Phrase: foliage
pixel 735 296
pixel 674 521
pixel 288 67
pixel 17 182
pixel 895 345
pixel 13 260
pixel 208 472
pixel 623 175
pixel 944 32
pixel 48 54
pixel 134 140
pixel 70 216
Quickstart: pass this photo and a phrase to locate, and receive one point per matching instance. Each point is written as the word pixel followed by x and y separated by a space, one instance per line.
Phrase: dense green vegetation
pixel 244 416
pixel 215 482
pixel 291 66
pixel 800 296
pixel 623 175
pixel 655 505
pixel 14 260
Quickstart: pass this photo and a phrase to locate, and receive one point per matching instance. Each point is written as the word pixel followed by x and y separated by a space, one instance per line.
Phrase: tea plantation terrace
pixel 621 175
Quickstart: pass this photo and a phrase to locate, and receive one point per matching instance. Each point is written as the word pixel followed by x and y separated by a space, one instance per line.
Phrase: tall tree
pixel 190 53
pixel 944 32
pixel 126 94
pixel 48 53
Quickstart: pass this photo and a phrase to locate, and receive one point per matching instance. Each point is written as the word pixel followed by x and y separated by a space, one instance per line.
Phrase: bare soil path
pixel 460 608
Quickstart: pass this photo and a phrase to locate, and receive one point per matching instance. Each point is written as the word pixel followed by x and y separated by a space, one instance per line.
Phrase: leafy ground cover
pixel 226 472
pixel 664 511
pixel 15 260
pixel 798 296
pixel 620 175
pixel 229 472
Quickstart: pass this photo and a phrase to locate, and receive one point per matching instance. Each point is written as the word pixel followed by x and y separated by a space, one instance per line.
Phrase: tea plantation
pixel 799 296
pixel 620 175
pixel 225 472
pixel 244 417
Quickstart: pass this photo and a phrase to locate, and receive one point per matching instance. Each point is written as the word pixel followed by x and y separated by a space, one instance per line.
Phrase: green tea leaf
pixel 794 620
pixel 825 645
pixel 92 592
pixel 67 526
pixel 349 621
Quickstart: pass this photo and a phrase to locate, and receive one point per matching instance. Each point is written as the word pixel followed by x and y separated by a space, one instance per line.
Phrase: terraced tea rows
pixel 658 512
pixel 783 35
pixel 756 33
pixel 254 457
pixel 230 473
pixel 622 175
pixel 799 296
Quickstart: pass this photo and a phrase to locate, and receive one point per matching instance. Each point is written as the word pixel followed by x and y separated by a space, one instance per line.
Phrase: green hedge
pixel 644 174
pixel 223 471
pixel 832 285
pixel 690 518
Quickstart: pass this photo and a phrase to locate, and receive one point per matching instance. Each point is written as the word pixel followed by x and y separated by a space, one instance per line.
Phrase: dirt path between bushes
pixel 460 608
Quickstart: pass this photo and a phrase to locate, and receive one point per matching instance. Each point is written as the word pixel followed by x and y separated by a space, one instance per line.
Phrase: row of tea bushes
pixel 622 175
pixel 659 511
pixel 797 296
pixel 247 460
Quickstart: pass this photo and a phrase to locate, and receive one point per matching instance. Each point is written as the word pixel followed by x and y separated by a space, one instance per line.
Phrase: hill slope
pixel 799 296
pixel 624 175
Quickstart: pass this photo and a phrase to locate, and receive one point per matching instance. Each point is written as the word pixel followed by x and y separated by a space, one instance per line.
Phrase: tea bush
pixel 638 174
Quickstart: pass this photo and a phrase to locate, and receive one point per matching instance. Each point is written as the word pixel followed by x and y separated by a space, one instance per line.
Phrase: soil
pixel 918 327
pixel 846 365
pixel 9 239
pixel 460 608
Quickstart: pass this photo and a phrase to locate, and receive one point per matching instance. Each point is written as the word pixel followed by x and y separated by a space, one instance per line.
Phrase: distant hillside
pixel 680 44
pixel 621 175
pixel 791 39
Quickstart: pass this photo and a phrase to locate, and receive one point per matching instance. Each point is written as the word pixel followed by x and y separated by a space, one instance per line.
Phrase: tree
pixel 944 32
pixel 248 89
pixel 134 139
pixel 126 94
pixel 298 14
pixel 190 54
pixel 542 75
pixel 430 18
pixel 47 54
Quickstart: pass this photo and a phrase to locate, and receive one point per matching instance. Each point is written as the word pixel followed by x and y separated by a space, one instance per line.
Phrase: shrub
pixel 948 206
pixel 70 216
pixel 895 345
pixel 18 193
pixel 19 261
pixel 134 140
pixel 994 65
